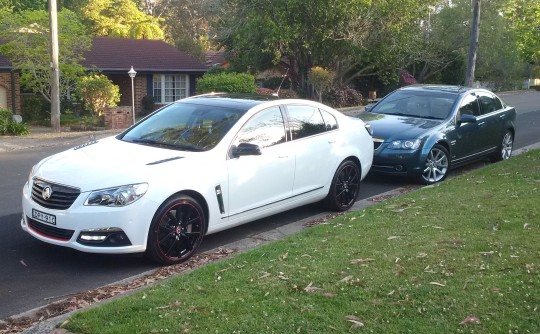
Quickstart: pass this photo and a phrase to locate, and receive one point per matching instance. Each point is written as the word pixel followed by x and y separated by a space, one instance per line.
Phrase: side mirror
pixel 369 107
pixel 246 149
pixel 467 119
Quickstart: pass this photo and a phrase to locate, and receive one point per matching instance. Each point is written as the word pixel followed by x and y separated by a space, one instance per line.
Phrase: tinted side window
pixel 498 103
pixel 469 106
pixel 264 129
pixel 487 104
pixel 329 120
pixel 305 121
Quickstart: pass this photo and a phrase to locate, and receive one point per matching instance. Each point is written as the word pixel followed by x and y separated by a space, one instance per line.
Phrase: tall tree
pixel 120 18
pixel 524 19
pixel 351 37
pixel 498 56
pixel 27 45
pixel 187 23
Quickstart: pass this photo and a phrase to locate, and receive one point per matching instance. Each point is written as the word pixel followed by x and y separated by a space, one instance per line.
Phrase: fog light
pixel 398 168
pixel 104 237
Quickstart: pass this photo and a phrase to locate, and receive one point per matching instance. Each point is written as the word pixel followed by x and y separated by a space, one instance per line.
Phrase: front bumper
pixel 397 162
pixel 125 229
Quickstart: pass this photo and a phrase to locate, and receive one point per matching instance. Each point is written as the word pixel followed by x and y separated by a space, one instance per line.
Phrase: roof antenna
pixel 284 76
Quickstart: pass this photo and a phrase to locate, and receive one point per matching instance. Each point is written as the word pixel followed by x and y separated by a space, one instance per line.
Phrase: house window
pixel 170 87
pixel 3 98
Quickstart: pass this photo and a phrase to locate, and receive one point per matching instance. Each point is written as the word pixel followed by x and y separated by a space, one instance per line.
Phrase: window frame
pixel 161 85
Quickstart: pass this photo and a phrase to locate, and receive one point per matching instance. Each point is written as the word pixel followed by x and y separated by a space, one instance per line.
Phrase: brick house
pixel 163 72
pixel 9 87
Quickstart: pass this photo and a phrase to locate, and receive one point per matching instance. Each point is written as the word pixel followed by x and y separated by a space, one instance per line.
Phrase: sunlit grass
pixel 462 256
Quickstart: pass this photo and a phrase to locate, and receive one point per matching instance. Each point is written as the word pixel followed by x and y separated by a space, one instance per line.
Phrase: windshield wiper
pixel 181 147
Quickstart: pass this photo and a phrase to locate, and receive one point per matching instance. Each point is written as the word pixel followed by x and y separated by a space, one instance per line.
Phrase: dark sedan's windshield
pixel 185 126
pixel 423 104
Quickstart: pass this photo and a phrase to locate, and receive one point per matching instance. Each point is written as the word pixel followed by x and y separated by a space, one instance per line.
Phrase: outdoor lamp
pixel 132 73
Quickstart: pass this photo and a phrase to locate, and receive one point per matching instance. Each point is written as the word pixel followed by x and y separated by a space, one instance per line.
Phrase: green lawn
pixel 460 257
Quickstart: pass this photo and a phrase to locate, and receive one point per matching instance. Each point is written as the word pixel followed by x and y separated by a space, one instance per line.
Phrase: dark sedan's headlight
pixel 117 196
pixel 407 144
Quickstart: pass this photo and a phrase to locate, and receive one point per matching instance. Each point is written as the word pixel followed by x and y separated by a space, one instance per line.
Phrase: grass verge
pixel 460 257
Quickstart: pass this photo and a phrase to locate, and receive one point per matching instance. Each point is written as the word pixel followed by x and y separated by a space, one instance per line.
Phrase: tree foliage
pixel 28 43
pixel 120 18
pixel 524 19
pixel 96 92
pixel 352 37
pixel 321 79
pixel 187 23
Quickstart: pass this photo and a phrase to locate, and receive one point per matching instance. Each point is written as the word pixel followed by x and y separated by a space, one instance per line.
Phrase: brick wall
pixel 118 117
pixel 124 82
pixel 5 81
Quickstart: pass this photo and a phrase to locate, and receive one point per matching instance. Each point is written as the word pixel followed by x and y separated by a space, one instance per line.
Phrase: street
pixel 35 274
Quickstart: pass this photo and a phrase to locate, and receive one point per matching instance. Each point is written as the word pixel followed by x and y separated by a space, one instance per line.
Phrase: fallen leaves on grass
pixel 87 298
pixel 437 284
pixel 356 322
pixel 470 320
pixel 360 261
pixel 311 288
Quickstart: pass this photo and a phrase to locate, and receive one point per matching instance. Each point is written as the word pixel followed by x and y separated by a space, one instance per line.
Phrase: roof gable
pixel 119 54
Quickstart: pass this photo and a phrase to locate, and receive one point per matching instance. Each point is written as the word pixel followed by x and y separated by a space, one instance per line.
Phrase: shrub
pixel 535 73
pixel 9 127
pixel 264 91
pixel 97 91
pixel 35 108
pixel 287 94
pixel 321 79
pixel 343 97
pixel 148 103
pixel 227 82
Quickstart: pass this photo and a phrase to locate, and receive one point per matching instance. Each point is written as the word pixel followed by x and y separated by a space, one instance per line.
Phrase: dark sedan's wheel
pixel 437 165
pixel 505 148
pixel 345 186
pixel 177 230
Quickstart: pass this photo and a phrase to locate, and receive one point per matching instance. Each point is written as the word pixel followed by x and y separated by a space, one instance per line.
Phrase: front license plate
pixel 44 217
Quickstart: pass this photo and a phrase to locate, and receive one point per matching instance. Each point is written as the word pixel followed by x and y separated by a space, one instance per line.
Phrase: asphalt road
pixel 34 274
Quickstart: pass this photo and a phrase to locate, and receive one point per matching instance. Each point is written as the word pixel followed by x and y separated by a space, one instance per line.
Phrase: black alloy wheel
pixel 177 230
pixel 345 187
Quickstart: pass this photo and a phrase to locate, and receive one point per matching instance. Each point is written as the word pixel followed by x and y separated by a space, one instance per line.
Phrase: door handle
pixel 481 124
pixel 283 156
pixel 502 116
pixel 331 141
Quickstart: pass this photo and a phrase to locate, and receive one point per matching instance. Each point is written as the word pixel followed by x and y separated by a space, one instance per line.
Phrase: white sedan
pixel 195 167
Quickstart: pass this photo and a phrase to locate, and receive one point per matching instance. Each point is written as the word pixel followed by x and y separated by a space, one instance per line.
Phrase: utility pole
pixel 475 31
pixel 55 72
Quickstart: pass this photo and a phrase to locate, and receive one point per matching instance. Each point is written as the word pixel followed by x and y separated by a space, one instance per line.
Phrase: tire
pixel 177 230
pixel 437 165
pixel 345 186
pixel 504 151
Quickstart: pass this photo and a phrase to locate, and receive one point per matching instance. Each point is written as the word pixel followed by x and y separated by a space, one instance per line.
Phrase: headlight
pixel 408 144
pixel 118 196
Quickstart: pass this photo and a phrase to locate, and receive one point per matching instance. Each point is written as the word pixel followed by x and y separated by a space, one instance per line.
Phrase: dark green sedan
pixel 423 131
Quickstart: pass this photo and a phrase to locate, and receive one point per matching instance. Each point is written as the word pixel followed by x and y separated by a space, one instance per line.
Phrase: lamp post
pixel 132 75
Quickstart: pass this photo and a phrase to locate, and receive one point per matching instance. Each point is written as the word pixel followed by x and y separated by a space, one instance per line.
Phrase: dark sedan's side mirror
pixel 246 149
pixel 467 119
pixel 369 107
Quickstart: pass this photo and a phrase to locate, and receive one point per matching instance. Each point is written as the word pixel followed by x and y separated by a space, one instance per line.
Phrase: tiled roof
pixel 215 58
pixel 119 54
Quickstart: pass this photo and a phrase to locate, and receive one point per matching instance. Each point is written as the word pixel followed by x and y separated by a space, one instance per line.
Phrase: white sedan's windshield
pixel 185 126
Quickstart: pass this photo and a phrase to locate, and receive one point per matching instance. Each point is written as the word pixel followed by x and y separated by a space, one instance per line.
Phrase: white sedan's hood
pixel 107 163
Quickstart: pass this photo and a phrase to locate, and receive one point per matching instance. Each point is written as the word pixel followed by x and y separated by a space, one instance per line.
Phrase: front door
pixel 257 183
